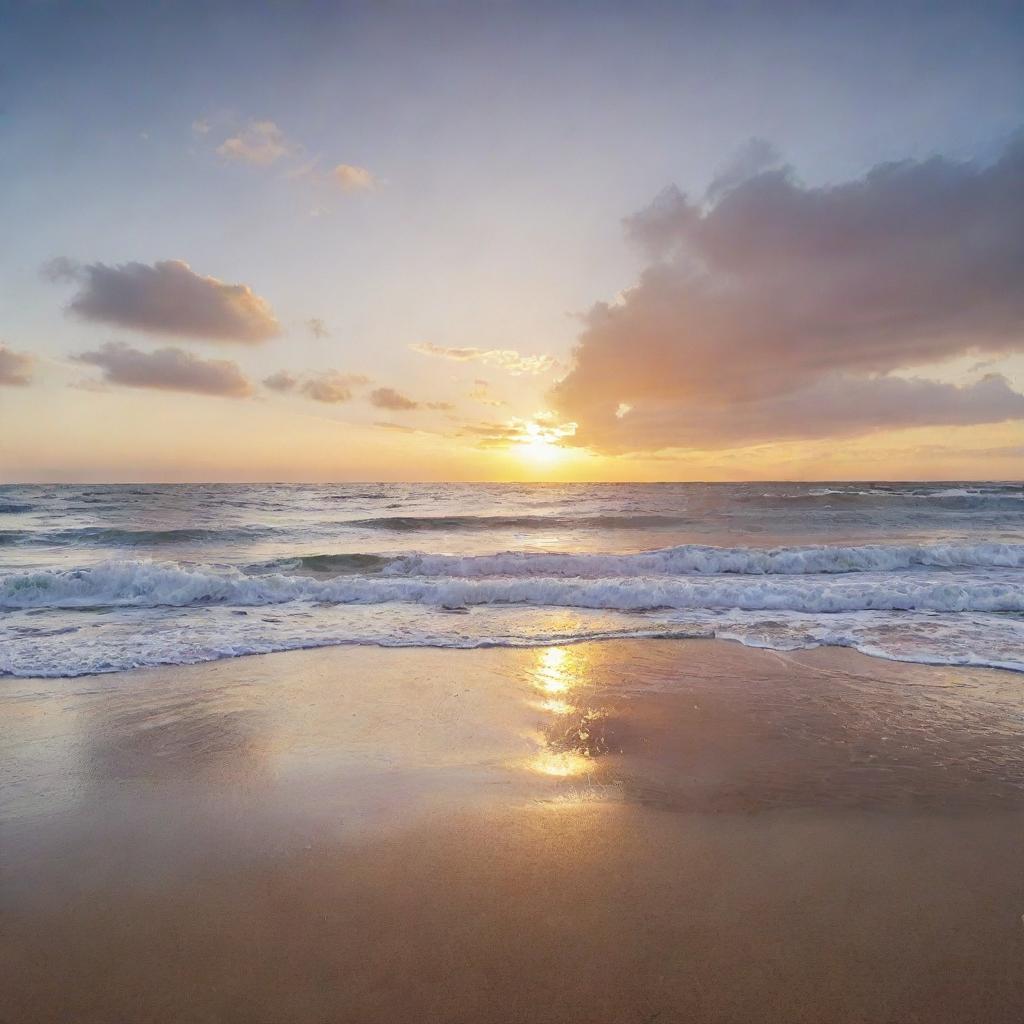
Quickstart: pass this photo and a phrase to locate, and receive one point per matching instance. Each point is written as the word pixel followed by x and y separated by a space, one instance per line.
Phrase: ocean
pixel 105 578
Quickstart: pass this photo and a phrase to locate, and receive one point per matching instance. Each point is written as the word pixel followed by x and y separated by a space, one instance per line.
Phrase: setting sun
pixel 540 450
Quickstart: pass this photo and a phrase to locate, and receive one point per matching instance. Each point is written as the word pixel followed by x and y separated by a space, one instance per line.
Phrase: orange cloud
pixel 772 310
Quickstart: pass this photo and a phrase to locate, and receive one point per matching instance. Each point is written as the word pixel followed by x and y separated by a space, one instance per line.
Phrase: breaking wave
pixel 698 559
pixel 154 584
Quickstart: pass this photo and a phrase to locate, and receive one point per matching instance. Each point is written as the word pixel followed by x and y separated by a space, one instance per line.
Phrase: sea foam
pixel 156 584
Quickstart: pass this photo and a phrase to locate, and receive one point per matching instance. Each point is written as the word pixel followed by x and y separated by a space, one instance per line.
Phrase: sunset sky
pixel 492 241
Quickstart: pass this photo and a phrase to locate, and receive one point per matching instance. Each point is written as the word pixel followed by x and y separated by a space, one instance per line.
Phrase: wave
pixel 15 506
pixel 412 524
pixel 695 559
pixel 154 584
pixel 1008 497
pixel 323 565
pixel 106 536
pixel 114 642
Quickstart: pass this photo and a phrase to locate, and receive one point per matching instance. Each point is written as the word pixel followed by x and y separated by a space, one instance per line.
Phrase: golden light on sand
pixel 561 764
pixel 551 675
pixel 556 707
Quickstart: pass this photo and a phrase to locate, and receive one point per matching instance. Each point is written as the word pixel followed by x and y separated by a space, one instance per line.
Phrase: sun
pixel 540 452
pixel 539 445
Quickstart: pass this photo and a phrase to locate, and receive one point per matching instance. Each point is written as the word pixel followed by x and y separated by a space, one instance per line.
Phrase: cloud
pixel 835 406
pixel 200 126
pixel 389 398
pixel 281 381
pixel 401 428
pixel 260 142
pixel 317 327
pixel 332 387
pixel 543 429
pixel 482 393
pixel 752 158
pixel 166 298
pixel 507 359
pixel 771 309
pixel 167 369
pixel 351 178
pixel 15 367
pixel 439 406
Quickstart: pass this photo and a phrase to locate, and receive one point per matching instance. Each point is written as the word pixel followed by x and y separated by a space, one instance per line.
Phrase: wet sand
pixel 641 831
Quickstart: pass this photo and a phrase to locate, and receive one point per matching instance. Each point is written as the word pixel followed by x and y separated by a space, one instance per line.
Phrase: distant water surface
pixel 103 578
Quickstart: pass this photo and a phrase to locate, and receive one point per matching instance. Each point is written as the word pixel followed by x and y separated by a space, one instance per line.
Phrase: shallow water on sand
pixel 626 831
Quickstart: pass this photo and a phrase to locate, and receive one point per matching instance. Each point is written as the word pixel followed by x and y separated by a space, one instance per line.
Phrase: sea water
pixel 105 578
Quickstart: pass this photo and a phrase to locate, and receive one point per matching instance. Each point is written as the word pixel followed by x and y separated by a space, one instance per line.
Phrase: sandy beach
pixel 629 831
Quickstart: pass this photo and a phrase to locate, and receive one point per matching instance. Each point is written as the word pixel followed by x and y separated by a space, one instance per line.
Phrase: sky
pixel 511 241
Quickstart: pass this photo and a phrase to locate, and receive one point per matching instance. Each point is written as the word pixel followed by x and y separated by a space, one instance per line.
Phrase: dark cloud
pixel 769 297
pixel 166 298
pixel 389 398
pixel 835 406
pixel 317 327
pixel 15 367
pixel 167 369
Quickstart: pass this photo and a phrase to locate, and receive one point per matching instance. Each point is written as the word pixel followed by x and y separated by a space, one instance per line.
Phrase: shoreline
pixel 920 661
pixel 612 831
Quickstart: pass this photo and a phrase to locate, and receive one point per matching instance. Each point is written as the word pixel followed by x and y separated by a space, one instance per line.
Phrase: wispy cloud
pixel 389 398
pixel 331 386
pixel 281 381
pixel 317 327
pixel 482 393
pixel 507 359
pixel 351 178
pixel 260 142
pixel 543 429
pixel 167 369
pixel 166 298
pixel 15 367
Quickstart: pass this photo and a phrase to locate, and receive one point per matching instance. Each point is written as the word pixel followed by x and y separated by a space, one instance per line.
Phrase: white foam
pixel 155 584
pixel 134 638
pixel 699 559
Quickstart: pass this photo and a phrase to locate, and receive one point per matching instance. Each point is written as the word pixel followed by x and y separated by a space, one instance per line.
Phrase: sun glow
pixel 540 444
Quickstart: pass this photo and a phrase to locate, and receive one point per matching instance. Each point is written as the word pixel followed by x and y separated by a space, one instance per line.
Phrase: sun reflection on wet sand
pixel 561 764
pixel 554 706
pixel 552 672
pixel 566 740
